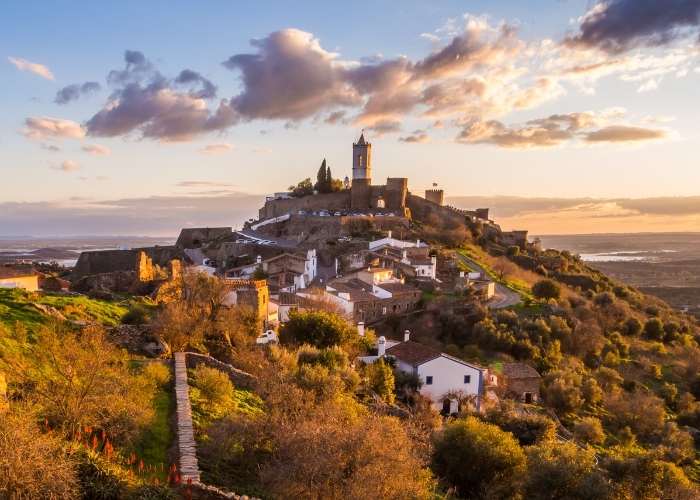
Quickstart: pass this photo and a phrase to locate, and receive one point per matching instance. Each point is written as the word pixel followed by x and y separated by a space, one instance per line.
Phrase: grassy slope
pixel 16 305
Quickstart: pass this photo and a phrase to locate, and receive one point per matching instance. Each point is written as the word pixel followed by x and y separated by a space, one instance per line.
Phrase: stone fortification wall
pixel 328 201
pixel 138 260
pixel 434 214
pixel 309 227
pixel 193 237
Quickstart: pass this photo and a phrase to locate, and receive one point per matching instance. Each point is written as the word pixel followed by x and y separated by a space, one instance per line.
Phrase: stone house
pixel 447 381
pixel 248 292
pixel 522 382
pixel 286 271
pixel 22 277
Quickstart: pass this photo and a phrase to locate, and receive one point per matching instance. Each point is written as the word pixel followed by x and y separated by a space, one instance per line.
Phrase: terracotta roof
pixel 519 370
pixel 398 288
pixel 413 353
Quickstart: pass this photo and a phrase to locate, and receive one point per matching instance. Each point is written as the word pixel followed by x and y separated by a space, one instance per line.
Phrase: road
pixel 504 296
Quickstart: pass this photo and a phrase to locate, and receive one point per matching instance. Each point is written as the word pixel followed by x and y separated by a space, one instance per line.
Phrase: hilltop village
pixel 351 322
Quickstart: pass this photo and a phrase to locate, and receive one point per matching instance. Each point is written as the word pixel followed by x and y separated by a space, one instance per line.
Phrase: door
pixel 528 397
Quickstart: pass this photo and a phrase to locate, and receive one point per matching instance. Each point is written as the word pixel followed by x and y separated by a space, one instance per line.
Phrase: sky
pixel 563 116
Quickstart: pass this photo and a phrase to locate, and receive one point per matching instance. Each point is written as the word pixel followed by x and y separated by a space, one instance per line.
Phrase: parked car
pixel 266 338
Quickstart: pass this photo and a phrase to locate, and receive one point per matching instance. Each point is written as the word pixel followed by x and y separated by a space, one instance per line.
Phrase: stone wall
pixel 327 201
pixel 194 237
pixel 238 377
pixel 431 213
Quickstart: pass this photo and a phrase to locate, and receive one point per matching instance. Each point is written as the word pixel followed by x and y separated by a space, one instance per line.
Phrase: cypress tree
pixel 321 178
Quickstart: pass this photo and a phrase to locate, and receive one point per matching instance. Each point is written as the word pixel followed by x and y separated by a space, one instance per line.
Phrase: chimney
pixel 389 234
pixel 381 346
pixel 406 335
pixel 404 254
pixel 258 259
pixel 461 274
pixel 418 242
pixel 361 329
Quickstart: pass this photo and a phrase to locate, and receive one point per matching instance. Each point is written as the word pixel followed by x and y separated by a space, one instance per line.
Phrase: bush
pixel 33 464
pixel 654 329
pixel 528 429
pixel 157 372
pixel 136 315
pixel 589 430
pixel 479 459
pixel 214 385
pixel 546 289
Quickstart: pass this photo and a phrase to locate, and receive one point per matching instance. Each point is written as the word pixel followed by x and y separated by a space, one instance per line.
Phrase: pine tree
pixel 321 178
pixel 329 180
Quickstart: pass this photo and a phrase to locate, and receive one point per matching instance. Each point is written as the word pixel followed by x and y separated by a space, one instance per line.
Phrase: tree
pixel 546 289
pixel 318 328
pixel 303 188
pixel 381 380
pixel 323 178
pixel 589 430
pixel 478 458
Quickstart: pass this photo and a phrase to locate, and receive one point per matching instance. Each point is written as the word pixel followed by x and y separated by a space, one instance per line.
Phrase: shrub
pixel 158 373
pixel 33 464
pixel 478 458
pixel 528 429
pixel 546 289
pixel 632 327
pixel 381 380
pixel 654 329
pixel 589 430
pixel 137 314
pixel 214 385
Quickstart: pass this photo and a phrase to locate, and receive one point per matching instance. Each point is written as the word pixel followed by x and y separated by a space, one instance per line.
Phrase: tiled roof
pixel 413 353
pixel 519 370
pixel 398 288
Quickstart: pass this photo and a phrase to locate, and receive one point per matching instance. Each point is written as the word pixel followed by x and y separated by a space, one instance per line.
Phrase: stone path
pixel 189 470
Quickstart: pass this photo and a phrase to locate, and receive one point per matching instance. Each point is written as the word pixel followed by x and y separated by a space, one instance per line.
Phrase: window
pixel 467 379
pixel 429 380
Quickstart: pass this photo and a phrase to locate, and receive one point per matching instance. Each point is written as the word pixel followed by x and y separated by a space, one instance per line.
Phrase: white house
pixel 445 380
pixel 425 266
pixel 394 243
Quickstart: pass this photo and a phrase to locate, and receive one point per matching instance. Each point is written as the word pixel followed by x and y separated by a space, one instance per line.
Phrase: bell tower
pixel 362 160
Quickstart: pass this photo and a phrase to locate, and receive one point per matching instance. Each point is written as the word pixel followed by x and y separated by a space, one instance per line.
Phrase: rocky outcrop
pixel 49 311
pixel 139 339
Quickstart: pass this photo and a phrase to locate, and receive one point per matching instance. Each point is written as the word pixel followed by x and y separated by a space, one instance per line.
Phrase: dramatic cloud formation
pixel 96 150
pixel 67 166
pixel 146 102
pixel 418 136
pixel 212 149
pixel 75 91
pixel 52 128
pixel 36 68
pixel 619 25
pixel 290 77
pixel 557 129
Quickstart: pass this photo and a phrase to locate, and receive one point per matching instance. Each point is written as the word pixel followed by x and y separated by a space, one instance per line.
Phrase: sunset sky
pixel 564 116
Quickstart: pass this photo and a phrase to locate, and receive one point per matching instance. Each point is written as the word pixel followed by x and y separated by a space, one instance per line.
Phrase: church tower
pixel 362 160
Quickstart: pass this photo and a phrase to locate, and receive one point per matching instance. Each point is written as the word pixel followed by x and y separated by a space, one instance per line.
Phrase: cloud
pixel 75 91
pixel 67 166
pixel 480 44
pixel 146 103
pixel 418 136
pixel 621 133
pixel 41 128
pixel 290 76
pixel 156 215
pixel 50 147
pixel 203 184
pixel 212 149
pixel 385 127
pixel 335 117
pixel 188 77
pixel 558 129
pixel 96 150
pixel 32 67
pixel 616 26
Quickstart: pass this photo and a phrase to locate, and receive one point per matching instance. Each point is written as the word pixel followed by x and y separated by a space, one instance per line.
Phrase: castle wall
pixel 194 237
pixel 326 201
pixel 361 194
pixel 434 214
pixel 437 196
pixel 395 193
